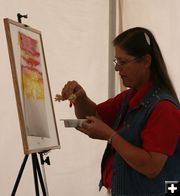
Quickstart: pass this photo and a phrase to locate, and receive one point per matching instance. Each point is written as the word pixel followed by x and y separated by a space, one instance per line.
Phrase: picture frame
pixel 32 89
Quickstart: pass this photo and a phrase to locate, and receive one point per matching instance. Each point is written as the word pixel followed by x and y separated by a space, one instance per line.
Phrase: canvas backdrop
pixel 75 37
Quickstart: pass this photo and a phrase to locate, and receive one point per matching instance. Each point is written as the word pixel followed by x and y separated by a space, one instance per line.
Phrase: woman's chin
pixel 126 84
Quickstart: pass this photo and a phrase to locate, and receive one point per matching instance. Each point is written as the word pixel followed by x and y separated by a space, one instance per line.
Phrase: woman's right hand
pixel 73 88
pixel 77 96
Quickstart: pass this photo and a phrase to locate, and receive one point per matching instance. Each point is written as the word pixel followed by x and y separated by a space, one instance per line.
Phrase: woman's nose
pixel 118 68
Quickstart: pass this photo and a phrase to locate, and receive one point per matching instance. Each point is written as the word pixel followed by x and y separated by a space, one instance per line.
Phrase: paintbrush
pixel 71 98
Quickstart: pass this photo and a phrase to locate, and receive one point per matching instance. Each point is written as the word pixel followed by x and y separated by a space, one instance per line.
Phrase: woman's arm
pixel 84 107
pixel 82 104
pixel 147 163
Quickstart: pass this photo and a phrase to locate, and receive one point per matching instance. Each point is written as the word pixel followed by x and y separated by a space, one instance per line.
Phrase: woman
pixel 141 124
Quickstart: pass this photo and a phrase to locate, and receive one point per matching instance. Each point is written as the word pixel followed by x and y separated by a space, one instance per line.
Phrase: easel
pixel 36 173
pixel 35 162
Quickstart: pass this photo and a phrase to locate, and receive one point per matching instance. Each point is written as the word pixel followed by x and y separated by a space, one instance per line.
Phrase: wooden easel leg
pixel 37 171
pixel 34 163
pixel 19 175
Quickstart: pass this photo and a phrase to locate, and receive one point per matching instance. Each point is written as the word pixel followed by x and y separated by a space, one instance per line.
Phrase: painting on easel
pixel 32 89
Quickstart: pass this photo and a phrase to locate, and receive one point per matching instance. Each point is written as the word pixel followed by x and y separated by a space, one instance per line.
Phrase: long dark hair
pixel 138 42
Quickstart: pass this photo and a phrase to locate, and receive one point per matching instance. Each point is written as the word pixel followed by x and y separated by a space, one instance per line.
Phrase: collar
pixel 136 96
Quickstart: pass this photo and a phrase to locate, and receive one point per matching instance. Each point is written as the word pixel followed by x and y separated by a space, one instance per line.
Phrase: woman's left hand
pixel 95 128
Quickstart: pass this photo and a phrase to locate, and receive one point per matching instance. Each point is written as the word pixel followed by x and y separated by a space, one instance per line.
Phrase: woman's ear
pixel 147 60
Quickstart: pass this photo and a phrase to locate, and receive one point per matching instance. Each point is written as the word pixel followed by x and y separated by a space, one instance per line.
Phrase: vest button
pixel 128 125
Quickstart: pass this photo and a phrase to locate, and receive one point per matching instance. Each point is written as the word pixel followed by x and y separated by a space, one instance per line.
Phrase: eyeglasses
pixel 123 62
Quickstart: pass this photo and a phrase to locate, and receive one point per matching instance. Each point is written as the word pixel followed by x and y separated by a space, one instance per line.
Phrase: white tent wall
pixel 162 18
pixel 76 37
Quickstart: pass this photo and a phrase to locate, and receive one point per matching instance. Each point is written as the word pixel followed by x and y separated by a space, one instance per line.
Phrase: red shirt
pixel 160 134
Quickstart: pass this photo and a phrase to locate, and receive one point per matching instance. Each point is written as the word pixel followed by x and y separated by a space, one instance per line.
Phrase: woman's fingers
pixel 71 91
pixel 68 89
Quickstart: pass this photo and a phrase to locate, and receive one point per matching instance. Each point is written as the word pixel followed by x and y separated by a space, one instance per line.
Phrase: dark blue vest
pixel 125 180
